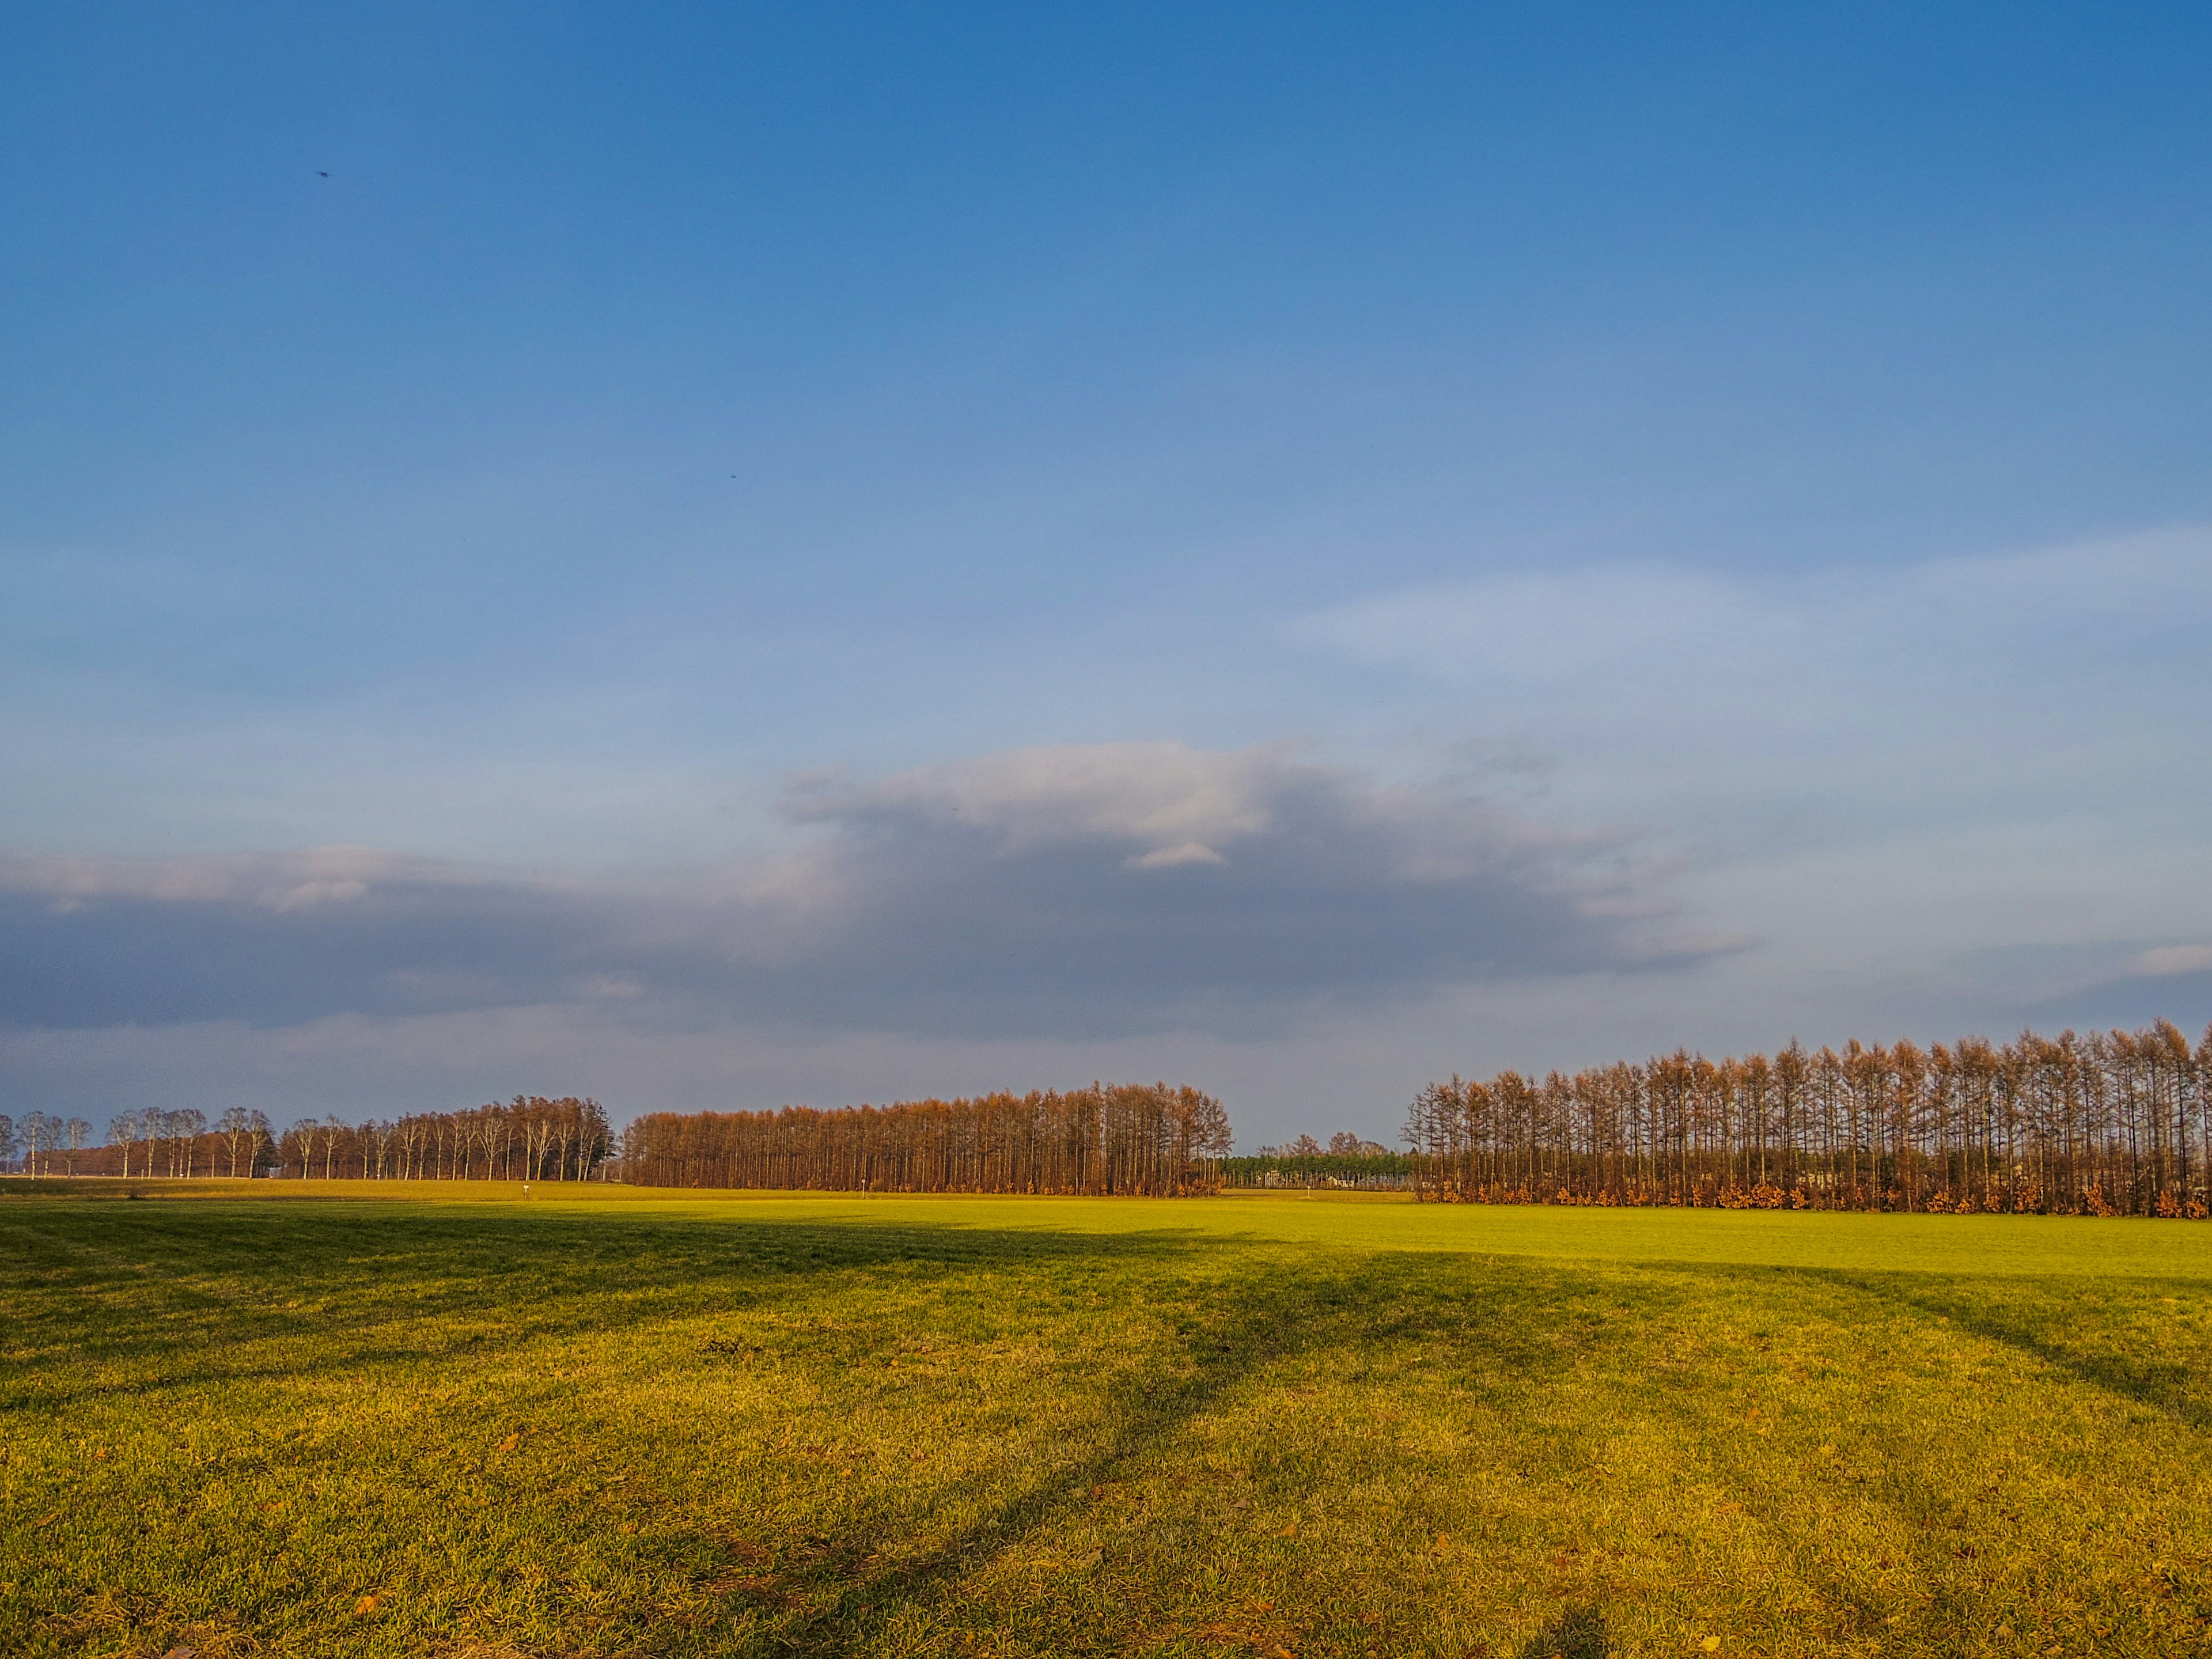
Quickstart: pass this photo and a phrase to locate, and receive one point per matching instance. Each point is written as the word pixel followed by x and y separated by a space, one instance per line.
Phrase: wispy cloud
pixel 1664 634
pixel 2168 960
pixel 2032 687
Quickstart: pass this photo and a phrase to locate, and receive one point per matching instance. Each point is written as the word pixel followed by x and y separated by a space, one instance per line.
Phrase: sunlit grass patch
pixel 615 1425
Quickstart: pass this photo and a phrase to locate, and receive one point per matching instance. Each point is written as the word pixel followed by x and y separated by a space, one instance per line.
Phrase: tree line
pixel 1347 1161
pixel 2106 1123
pixel 531 1138
pixel 1375 1172
pixel 1127 1139
pixel 41 1139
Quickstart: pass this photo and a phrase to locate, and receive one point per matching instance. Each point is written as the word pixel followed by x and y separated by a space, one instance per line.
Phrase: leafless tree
pixel 76 1133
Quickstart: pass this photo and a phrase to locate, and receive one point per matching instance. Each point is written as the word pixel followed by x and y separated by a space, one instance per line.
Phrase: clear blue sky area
pixel 720 555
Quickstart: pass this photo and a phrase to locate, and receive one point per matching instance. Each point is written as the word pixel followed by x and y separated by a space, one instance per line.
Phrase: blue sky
pixel 726 557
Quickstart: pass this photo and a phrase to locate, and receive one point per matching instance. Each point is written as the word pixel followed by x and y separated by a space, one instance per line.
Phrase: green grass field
pixel 618 1423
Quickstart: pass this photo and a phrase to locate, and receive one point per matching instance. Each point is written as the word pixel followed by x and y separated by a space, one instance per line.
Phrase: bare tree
pixel 259 1137
pixel 123 1131
pixel 40 1133
pixel 187 1126
pixel 302 1137
pixel 235 1126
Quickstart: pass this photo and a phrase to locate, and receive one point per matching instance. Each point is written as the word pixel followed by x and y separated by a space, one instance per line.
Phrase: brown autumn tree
pixel 2109 1123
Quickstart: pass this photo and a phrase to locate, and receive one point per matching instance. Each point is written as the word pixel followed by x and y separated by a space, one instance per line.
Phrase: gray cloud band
pixel 1070 891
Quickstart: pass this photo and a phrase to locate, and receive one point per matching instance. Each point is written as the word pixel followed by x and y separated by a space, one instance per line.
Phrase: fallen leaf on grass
pixel 1710 1644
pixel 510 1443
pixel 364 1608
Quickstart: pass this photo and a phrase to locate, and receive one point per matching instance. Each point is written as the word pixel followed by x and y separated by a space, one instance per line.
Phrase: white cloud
pixel 2168 960
pixel 1570 630
pixel 1167 858
pixel 1163 795
pixel 274 881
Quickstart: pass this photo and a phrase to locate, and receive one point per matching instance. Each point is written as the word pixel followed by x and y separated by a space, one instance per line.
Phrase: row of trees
pixel 1346 1161
pixel 1119 1137
pixel 1345 1143
pixel 531 1138
pixel 182 1142
pixel 1368 1171
pixel 2109 1123
pixel 41 1139
pixel 149 1142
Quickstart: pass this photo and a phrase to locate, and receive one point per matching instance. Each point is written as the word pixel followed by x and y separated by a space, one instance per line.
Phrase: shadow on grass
pixel 1266 1317
pixel 1577 1633
pixel 197 1296
pixel 2040 1320
pixel 1257 1320
pixel 177 1293
pixel 181 1296
pixel 2043 1322
pixel 2169 1386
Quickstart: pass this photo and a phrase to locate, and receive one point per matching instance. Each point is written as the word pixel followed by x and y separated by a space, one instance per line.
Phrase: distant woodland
pixel 2111 1123
pixel 1347 1162
pixel 529 1138
pixel 1136 1138
pixel 1147 1138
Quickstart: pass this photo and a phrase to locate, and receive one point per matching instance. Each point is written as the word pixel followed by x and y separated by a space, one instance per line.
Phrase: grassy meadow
pixel 387 1421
